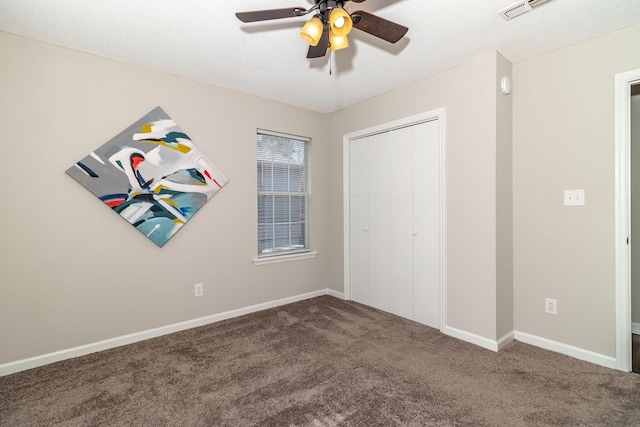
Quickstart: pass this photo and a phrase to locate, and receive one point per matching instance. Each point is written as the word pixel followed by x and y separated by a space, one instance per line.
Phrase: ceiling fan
pixel 330 24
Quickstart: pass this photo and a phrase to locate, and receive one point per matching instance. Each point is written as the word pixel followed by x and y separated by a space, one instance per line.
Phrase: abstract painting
pixel 152 175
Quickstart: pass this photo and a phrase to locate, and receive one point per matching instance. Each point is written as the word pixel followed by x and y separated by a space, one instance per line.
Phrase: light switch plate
pixel 574 197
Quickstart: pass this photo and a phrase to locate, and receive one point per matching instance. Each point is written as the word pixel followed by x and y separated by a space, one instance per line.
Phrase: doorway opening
pixel 624 84
pixel 635 225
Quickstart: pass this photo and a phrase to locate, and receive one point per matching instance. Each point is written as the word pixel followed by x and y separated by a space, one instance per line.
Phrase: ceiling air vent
pixel 520 8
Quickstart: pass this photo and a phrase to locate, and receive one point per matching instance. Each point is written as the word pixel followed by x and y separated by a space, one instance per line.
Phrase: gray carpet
pixel 320 362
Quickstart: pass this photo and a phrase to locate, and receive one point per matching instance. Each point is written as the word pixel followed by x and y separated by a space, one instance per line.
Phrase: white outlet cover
pixel 198 289
pixel 574 198
pixel 551 306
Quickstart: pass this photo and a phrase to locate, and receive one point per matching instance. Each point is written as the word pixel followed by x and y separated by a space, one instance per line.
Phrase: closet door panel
pixel 400 178
pixel 427 223
pixel 359 220
pixel 379 188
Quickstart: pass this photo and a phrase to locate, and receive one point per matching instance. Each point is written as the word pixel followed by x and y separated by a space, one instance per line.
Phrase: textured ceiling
pixel 204 41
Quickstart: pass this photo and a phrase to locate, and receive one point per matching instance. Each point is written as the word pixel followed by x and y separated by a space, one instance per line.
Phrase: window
pixel 283 193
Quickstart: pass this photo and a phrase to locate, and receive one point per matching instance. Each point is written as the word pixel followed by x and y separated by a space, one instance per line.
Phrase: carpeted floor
pixel 320 362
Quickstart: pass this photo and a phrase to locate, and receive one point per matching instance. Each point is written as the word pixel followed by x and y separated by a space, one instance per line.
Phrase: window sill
pixel 282 258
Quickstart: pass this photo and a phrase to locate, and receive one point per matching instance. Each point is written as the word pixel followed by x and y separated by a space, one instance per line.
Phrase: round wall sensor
pixel 505 85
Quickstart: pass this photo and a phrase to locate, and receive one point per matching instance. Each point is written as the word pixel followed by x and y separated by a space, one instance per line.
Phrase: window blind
pixel 283 193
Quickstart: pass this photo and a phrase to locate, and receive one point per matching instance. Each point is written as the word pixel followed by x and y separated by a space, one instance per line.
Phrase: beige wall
pixel 563 118
pixel 74 273
pixel 469 93
pixel 635 208
pixel 504 203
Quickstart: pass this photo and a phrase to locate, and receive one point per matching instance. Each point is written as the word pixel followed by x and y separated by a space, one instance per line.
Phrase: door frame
pixel 623 83
pixel 434 115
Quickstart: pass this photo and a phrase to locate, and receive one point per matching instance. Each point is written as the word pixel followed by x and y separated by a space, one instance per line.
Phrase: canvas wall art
pixel 152 175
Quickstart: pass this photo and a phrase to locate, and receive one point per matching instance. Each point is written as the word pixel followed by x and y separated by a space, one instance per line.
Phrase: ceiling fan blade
pixel 320 49
pixel 379 27
pixel 265 15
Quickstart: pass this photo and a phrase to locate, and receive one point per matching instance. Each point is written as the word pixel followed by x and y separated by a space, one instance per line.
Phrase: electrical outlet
pixel 551 306
pixel 198 289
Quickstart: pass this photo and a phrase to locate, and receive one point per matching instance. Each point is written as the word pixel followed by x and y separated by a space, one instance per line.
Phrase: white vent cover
pixel 520 8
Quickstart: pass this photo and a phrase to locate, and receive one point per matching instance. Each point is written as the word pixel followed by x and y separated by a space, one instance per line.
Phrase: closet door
pixel 427 223
pixel 398 155
pixel 395 221
pixel 359 220
pixel 378 227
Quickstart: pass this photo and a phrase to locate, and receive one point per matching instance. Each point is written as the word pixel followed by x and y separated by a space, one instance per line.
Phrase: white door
pixel 427 223
pixel 395 221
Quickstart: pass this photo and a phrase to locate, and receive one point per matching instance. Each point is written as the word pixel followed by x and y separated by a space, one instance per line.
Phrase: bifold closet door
pixel 395 222
pixel 395 200
pixel 359 220
pixel 427 223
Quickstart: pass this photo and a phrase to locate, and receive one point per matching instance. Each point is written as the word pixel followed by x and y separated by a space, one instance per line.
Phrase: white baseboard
pixel 507 339
pixel 635 328
pixel 558 347
pixel 489 344
pixel 568 350
pixel 335 294
pixel 34 362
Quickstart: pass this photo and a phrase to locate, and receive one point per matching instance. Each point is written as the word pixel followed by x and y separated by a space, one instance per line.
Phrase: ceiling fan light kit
pixel 340 22
pixel 312 31
pixel 331 24
pixel 338 42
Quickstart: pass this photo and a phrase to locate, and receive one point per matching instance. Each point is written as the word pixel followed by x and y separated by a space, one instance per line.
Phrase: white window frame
pixel 290 253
